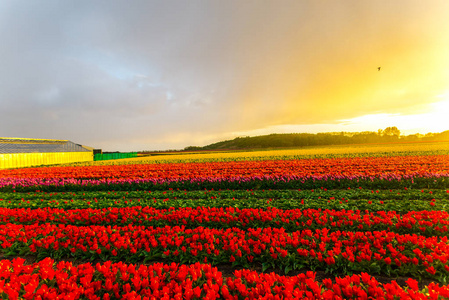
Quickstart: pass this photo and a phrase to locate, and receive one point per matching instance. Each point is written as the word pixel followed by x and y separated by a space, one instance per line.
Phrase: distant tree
pixel 192 148
pixel 444 135
pixel 392 131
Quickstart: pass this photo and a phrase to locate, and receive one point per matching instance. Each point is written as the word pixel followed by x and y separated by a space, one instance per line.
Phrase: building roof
pixel 24 145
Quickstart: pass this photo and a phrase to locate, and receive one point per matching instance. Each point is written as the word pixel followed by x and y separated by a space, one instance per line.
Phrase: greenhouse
pixel 24 152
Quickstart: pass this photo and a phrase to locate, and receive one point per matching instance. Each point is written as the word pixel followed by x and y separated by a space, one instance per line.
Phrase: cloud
pixel 167 74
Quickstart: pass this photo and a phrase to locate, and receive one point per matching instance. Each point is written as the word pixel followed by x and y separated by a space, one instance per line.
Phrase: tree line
pixel 387 135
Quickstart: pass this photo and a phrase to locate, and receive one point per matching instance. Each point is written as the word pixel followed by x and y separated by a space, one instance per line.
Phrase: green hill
pixel 389 135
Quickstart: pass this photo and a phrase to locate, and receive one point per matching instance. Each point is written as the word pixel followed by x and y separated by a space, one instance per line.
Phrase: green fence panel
pixel 115 155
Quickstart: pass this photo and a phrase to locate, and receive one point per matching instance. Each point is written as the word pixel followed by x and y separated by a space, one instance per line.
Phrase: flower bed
pixel 47 280
pixel 429 223
pixel 379 252
pixel 254 173
pixel 376 215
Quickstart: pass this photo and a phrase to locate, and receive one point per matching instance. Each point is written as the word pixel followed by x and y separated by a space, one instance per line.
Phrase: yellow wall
pixel 19 160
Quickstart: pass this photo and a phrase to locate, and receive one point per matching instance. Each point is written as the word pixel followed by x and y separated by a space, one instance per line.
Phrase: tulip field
pixel 260 226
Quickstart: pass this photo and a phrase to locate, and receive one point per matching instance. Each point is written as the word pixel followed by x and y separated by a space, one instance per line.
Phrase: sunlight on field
pixel 422 148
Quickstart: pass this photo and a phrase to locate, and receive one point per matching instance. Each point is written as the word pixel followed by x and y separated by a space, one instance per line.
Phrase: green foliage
pixel 401 200
pixel 388 135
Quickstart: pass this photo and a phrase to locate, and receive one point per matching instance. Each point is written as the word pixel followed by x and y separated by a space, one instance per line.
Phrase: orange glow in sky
pixel 161 75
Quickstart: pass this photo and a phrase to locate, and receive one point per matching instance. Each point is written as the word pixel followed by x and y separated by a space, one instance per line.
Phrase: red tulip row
pixel 48 280
pixel 357 251
pixel 397 166
pixel 429 222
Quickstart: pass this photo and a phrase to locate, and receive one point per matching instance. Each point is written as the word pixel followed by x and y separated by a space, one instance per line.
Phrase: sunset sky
pixel 155 75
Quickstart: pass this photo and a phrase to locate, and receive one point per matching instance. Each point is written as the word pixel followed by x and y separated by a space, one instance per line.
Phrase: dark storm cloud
pixel 167 74
pixel 103 71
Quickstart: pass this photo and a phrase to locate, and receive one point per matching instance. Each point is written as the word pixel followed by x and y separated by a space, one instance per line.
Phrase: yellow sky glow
pixel 435 120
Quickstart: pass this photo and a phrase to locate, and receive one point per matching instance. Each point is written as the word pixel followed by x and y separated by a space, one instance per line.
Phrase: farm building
pixel 22 152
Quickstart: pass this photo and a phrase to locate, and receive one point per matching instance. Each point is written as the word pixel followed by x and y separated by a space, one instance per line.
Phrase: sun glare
pixel 437 119
pixel 442 107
